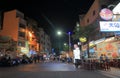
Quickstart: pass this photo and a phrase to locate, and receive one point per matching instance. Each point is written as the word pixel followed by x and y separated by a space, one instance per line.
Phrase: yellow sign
pixel 83 39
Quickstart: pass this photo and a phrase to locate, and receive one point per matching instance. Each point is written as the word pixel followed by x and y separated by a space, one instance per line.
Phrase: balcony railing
pixel 22 21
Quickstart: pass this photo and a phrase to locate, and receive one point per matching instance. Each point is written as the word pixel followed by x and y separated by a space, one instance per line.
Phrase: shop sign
pixel 106 14
pixel 109 26
pixel 83 39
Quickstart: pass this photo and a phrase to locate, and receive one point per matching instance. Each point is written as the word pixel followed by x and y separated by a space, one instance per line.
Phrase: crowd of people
pixel 102 63
pixel 6 59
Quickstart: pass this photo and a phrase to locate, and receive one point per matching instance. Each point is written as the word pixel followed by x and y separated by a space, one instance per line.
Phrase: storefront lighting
pixel 99 41
pixel 109 39
pixel 30 34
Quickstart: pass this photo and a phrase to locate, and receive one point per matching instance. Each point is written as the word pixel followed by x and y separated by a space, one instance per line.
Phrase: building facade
pixel 22 34
pixel 45 42
pixel 92 18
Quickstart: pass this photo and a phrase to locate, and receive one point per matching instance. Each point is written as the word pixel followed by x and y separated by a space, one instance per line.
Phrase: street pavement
pixel 54 70
pixel 114 73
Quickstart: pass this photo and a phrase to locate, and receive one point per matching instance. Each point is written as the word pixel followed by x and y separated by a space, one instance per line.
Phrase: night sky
pixel 51 14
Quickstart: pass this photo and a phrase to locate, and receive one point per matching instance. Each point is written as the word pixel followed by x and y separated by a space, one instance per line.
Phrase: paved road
pixel 50 70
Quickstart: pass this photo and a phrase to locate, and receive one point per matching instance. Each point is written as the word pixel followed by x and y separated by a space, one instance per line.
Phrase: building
pixel 45 42
pixel 16 29
pixel 21 35
pixel 92 18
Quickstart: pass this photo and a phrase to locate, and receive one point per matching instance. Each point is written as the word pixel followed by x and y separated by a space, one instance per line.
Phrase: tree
pixel 89 32
pixel 84 31
pixel 78 32
pixel 66 47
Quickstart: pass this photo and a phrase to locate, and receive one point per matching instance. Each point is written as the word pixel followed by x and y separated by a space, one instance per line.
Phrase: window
pixel 22 34
pixel 87 20
pixel 21 43
pixel 22 26
pixel 93 12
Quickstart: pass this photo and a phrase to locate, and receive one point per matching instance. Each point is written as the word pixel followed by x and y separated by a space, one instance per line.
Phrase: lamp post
pixel 69 42
pixel 69 35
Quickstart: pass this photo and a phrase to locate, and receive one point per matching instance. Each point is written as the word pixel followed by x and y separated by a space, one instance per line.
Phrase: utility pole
pixel 69 42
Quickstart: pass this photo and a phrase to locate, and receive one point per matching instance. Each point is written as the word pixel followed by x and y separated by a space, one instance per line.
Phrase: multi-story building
pixel 45 42
pixel 32 26
pixel 15 27
pixel 22 35
pixel 92 18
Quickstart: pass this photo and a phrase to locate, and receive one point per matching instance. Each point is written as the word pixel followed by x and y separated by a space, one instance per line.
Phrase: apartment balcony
pixel 22 29
pixel 19 14
pixel 33 42
pixel 21 43
pixel 21 38
pixel 22 21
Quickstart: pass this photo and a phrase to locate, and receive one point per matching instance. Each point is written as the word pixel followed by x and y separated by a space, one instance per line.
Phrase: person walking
pixel 76 53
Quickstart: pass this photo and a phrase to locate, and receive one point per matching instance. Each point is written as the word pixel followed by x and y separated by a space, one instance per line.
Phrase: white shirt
pixel 76 53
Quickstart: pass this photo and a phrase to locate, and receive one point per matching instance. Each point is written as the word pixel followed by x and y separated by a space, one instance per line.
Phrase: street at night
pixel 52 70
pixel 60 39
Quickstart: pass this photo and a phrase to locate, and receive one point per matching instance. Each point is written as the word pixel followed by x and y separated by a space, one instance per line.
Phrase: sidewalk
pixel 113 73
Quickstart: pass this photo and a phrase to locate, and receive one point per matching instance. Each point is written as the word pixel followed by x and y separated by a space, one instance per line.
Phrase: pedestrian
pixel 35 58
pixel 76 53
pixel 101 58
pixel 38 58
pixel 68 58
pixel 44 57
pixel 106 58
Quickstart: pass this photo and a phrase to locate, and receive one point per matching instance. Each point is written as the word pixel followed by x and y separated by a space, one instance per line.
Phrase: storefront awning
pixel 99 41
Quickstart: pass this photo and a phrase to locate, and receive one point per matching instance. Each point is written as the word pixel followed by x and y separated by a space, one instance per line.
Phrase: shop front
pixel 92 50
pixel 109 47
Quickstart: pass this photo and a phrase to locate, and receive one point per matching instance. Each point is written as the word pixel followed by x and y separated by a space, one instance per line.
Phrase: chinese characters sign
pixel 109 26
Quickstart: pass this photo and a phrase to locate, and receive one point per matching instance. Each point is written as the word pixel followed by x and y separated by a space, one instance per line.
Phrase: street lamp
pixel 69 42
pixel 60 33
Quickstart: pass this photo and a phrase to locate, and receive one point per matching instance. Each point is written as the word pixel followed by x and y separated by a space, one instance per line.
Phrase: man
pixel 76 53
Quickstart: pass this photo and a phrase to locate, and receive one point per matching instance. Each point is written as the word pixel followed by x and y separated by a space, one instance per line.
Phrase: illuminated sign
pixel 106 14
pixel 24 50
pixel 109 26
pixel 83 39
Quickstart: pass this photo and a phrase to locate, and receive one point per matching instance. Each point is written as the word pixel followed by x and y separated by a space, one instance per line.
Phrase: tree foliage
pixel 83 31
pixel 86 31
